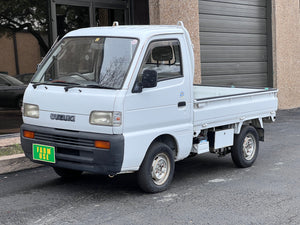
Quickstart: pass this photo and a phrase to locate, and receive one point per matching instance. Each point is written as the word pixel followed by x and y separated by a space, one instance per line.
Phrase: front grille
pixel 64 139
pixel 69 149
pixel 74 156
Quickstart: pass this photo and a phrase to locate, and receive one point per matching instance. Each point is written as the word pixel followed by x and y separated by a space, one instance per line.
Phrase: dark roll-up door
pixel 234 42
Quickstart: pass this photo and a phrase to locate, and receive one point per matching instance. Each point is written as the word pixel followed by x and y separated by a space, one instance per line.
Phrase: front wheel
pixel 246 146
pixel 157 169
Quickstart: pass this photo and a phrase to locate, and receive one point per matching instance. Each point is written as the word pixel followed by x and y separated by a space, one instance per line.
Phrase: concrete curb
pixel 9 141
pixel 13 163
pixel 17 162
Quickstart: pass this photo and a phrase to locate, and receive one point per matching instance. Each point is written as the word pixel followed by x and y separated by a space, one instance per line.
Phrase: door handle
pixel 181 104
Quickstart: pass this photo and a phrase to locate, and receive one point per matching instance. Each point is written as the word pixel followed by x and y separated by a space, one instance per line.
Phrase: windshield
pixel 88 62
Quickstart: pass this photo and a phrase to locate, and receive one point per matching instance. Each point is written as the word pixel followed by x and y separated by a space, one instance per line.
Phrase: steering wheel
pixel 77 74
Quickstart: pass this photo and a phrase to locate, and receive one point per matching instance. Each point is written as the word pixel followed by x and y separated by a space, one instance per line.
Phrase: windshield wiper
pixel 58 82
pixel 37 84
pixel 72 86
pixel 98 86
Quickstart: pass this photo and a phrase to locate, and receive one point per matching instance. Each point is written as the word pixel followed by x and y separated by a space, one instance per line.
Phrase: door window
pixel 165 58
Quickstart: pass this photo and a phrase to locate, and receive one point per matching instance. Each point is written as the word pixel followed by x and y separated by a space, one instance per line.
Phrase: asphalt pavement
pixel 205 190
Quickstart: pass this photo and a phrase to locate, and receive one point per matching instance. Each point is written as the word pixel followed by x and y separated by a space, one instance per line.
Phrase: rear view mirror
pixel 162 53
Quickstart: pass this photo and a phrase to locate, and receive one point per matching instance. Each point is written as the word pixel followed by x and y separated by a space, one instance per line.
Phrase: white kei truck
pixel 121 99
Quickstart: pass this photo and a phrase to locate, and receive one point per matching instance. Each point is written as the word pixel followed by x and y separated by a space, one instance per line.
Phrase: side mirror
pixel 137 88
pixel 149 79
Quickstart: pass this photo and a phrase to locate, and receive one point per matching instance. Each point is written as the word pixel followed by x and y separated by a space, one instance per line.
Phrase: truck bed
pixel 218 106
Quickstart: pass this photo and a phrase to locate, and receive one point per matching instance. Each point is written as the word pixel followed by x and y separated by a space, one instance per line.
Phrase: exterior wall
pixel 286 41
pixel 7 58
pixel 28 54
pixel 172 11
pixel 286 51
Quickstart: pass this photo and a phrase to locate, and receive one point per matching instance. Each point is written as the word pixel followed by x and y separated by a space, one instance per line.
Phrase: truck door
pixel 164 109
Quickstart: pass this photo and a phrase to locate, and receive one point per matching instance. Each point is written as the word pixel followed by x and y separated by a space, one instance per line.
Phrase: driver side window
pixel 164 57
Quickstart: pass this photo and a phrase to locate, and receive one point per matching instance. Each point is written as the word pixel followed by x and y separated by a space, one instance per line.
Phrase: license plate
pixel 43 153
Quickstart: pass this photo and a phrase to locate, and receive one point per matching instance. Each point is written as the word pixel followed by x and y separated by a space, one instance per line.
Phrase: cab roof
pixel 140 32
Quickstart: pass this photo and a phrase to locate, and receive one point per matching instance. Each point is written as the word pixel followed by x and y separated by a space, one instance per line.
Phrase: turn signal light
pixel 102 144
pixel 28 134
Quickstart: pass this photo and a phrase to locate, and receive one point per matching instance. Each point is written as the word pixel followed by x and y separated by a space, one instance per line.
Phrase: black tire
pixel 67 173
pixel 161 157
pixel 245 148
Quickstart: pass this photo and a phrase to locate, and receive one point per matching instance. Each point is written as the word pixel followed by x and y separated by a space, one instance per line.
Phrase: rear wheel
pixel 67 173
pixel 157 170
pixel 246 146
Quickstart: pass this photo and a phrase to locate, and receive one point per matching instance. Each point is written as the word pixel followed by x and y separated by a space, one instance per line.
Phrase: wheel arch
pixel 257 124
pixel 168 140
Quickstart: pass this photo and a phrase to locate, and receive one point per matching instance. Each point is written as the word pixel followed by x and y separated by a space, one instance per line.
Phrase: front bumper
pixel 75 150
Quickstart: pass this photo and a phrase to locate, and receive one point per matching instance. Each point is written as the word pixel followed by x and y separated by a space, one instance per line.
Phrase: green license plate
pixel 43 153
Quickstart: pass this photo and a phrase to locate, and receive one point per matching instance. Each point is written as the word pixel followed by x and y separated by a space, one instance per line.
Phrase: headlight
pixel 106 118
pixel 31 110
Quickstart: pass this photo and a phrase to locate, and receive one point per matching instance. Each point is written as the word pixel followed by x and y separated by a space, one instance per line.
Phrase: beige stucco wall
pixel 286 51
pixel 28 54
pixel 172 11
pixel 7 56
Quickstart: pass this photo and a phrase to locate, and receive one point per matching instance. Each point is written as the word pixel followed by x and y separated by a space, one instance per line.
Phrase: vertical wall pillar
pixel 286 52
pixel 16 54
pixel 53 21
pixel 172 11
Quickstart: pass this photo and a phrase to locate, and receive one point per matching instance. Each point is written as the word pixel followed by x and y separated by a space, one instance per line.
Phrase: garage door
pixel 234 42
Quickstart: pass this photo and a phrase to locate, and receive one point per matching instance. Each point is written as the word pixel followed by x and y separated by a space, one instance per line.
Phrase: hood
pixel 69 110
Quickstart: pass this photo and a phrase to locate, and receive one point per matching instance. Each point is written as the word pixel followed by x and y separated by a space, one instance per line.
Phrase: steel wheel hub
pixel 160 169
pixel 249 147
